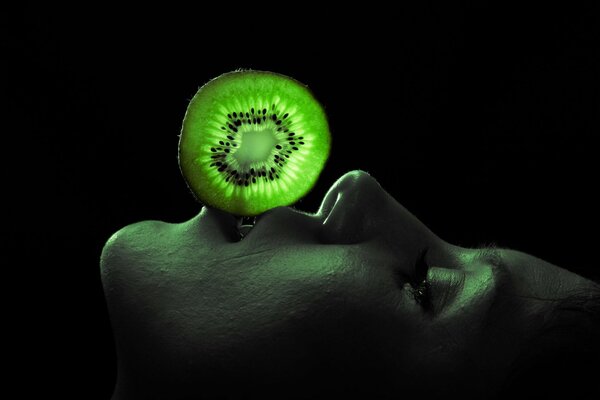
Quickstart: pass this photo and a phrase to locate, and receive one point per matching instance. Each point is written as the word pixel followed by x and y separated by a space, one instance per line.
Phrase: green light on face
pixel 479 278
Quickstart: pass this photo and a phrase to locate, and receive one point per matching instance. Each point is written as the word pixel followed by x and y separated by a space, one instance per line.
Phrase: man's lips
pixel 345 215
pixel 351 212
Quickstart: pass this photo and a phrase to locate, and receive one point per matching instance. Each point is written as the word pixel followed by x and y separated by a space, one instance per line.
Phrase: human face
pixel 360 297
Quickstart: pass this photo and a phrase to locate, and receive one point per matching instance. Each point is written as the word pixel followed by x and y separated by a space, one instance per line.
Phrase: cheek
pixel 304 306
pixel 320 296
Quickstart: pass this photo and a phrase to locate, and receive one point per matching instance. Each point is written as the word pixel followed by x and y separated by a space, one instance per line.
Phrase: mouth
pixel 244 226
pixel 347 213
pixel 278 219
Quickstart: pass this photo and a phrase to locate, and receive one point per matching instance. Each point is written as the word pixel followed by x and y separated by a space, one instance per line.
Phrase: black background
pixel 481 120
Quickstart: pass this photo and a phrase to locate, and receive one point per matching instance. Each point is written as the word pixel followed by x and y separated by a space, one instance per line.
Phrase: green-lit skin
pixel 318 306
pixel 241 91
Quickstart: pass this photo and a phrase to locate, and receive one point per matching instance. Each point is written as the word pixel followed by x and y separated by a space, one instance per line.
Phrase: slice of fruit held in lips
pixel 252 141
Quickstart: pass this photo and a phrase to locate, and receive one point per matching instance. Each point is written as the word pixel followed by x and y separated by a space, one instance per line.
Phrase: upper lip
pixel 343 200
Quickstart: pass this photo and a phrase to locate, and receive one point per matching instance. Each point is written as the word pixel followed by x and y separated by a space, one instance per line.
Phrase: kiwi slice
pixel 251 141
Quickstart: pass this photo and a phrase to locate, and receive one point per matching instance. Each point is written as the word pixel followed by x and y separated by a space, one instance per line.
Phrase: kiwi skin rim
pixel 198 178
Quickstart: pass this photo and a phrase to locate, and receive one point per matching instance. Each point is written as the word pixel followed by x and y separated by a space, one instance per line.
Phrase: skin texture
pixel 319 306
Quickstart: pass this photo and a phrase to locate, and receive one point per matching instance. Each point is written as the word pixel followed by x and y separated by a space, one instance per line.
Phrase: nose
pixel 357 209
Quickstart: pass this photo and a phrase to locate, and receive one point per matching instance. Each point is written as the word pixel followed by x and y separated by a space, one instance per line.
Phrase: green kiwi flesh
pixel 252 141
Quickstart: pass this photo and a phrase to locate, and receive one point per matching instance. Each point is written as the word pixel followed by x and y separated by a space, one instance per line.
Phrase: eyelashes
pixel 420 288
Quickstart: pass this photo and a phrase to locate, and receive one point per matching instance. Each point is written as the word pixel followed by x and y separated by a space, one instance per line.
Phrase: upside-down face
pixel 360 298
